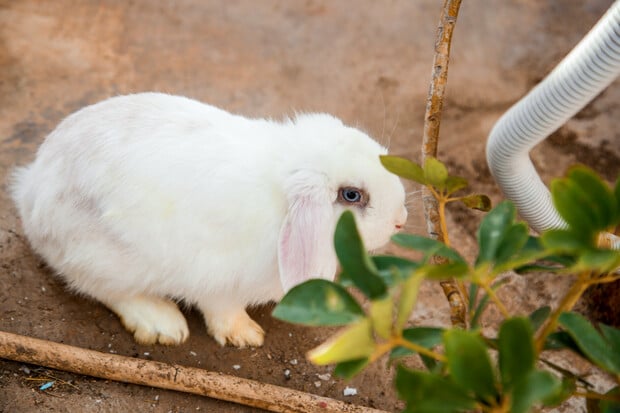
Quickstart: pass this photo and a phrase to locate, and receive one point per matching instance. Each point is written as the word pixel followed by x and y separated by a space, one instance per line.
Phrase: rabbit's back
pixel 156 193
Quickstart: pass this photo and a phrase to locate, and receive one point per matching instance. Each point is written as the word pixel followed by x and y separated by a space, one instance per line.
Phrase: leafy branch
pixel 460 372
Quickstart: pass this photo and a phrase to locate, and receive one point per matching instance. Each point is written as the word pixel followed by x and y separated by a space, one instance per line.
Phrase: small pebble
pixel 294 362
pixel 317 384
pixel 146 353
pixel 157 397
pixel 349 391
pixel 290 334
pixel 236 366
pixel 47 385
pixel 43 289
pixel 287 374
pixel 193 353
pixel 25 369
pixel 324 377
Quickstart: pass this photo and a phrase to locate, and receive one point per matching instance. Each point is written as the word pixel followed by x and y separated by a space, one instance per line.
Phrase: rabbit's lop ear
pixel 305 246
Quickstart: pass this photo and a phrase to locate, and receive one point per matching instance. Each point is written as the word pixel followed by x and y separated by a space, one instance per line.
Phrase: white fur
pixel 148 196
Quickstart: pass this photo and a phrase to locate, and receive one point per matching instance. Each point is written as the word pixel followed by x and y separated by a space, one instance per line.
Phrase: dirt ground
pixel 367 62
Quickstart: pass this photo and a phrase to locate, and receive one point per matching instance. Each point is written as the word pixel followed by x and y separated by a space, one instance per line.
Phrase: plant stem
pixel 568 302
pixel 432 120
pixel 401 342
pixel 495 299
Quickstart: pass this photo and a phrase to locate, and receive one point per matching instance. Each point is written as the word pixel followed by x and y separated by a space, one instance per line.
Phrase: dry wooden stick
pixel 167 376
pixel 432 120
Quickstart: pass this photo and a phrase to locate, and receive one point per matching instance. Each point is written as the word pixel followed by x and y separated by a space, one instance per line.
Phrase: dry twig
pixel 432 120
pixel 167 376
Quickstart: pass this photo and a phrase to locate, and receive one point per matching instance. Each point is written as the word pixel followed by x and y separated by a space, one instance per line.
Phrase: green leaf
pixel 561 340
pixel 354 259
pixel 445 271
pixel 477 201
pixel 408 298
pixel 516 351
pixel 435 173
pixel 493 229
pixel 567 389
pixel 617 193
pixel 381 316
pixel 612 335
pixel 469 363
pixel 427 337
pixel 608 406
pixel 354 343
pixel 348 369
pixel 566 240
pixel 318 303
pixel 512 241
pixel 538 316
pixel 403 168
pixel 431 393
pixel 428 246
pixel 600 195
pixel 594 346
pixel 599 260
pixel 473 295
pixel 535 387
pixel 455 183
pixel 394 270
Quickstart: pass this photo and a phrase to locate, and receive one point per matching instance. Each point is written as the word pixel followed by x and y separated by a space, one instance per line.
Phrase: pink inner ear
pixel 305 246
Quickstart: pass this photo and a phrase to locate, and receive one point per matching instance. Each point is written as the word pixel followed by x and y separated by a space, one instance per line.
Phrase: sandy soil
pixel 367 62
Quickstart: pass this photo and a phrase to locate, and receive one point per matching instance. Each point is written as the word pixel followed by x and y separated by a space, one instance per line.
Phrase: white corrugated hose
pixel 588 69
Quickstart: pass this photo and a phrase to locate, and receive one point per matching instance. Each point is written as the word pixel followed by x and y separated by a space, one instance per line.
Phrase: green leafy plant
pixel 466 370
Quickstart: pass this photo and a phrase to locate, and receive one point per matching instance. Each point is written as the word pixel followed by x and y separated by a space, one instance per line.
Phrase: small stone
pixel 324 377
pixel 294 362
pixel 193 353
pixel 349 391
pixel 287 374
pixel 317 384
pixel 146 353
pixel 25 369
pixel 236 366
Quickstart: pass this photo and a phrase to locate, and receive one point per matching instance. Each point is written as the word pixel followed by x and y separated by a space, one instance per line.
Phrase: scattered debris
pixel 236 366
pixel 349 391
pixel 324 377
pixel 25 369
pixel 47 385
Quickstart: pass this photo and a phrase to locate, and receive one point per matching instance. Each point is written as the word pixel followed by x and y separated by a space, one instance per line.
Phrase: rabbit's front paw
pixel 237 329
pixel 151 319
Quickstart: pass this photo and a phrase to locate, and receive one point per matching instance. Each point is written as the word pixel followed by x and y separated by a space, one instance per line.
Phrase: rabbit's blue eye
pixel 352 196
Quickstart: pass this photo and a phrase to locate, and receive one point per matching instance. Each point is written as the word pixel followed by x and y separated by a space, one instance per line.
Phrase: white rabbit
pixel 143 199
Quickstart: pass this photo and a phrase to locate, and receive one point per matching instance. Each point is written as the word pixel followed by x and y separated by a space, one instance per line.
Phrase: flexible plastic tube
pixel 588 69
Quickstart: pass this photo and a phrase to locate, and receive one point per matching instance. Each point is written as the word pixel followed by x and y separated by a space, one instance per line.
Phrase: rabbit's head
pixel 334 168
